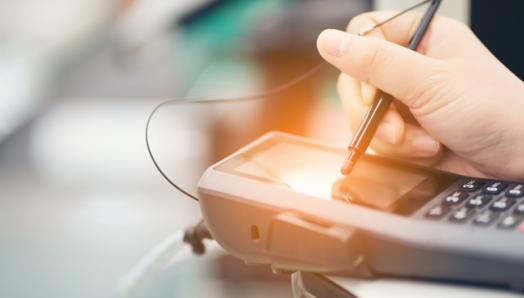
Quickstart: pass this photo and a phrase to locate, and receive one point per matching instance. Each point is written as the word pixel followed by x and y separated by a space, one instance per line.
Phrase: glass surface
pixel 315 170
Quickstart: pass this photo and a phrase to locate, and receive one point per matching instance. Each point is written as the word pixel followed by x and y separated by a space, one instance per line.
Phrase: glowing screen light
pixel 315 171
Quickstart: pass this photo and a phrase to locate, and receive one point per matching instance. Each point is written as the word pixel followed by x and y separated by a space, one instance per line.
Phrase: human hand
pixel 467 105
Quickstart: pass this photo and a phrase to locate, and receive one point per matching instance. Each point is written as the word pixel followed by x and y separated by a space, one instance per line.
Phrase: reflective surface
pixel 314 170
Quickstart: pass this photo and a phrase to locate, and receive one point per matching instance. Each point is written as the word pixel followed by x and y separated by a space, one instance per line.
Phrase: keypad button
pixel 456 198
pixel 461 215
pixel 519 209
pixel 438 212
pixel 478 201
pixel 485 218
pixel 516 191
pixel 502 204
pixel 472 185
pixel 494 188
pixel 509 222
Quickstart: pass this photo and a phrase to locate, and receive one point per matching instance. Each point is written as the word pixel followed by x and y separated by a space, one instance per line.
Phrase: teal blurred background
pixel 80 202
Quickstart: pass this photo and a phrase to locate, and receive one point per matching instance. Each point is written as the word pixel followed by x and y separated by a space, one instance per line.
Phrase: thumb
pixel 396 70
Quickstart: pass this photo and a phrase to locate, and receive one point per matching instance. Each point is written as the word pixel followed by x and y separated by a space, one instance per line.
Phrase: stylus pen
pixel 380 106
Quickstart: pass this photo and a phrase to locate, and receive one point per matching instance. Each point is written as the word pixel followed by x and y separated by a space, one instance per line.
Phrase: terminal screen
pixel 314 170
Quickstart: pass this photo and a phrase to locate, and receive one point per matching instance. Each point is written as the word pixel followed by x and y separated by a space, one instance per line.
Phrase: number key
pixel 485 218
pixel 461 215
pixel 437 212
pixel 478 201
pixel 509 222
pixel 520 209
pixel 502 204
pixel 456 198
pixel 472 185
pixel 516 191
pixel 494 188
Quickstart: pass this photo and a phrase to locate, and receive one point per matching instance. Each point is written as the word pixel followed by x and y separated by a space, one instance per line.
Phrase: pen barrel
pixel 380 106
pixel 364 134
pixel 423 26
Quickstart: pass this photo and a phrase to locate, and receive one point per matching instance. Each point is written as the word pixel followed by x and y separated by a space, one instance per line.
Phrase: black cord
pixel 155 163
pixel 273 91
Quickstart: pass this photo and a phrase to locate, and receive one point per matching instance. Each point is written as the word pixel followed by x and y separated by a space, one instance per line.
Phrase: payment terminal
pixel 282 201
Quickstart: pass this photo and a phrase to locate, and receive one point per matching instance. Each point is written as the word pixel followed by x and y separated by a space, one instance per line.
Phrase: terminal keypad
pixel 483 204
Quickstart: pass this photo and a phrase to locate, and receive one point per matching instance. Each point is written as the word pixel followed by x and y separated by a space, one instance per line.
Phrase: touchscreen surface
pixel 315 170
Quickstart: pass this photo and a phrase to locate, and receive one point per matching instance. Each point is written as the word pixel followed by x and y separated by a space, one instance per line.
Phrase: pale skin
pixel 469 108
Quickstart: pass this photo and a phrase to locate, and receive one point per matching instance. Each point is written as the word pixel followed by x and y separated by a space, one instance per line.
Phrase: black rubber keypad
pixel 482 203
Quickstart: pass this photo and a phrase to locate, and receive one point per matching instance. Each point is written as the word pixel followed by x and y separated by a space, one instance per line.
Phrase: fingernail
pixel 425 145
pixel 386 132
pixel 334 42
pixel 368 93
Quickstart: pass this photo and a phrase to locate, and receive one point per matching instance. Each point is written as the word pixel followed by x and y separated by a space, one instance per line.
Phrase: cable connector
pixel 195 236
pixel 162 256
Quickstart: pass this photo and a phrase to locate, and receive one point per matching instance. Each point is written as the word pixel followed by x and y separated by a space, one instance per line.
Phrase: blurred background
pixel 80 201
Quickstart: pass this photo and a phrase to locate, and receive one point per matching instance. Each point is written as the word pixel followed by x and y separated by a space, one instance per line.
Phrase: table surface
pixel 328 286
pixel 81 203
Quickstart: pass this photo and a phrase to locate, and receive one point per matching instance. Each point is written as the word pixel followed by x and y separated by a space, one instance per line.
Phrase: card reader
pixel 281 201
